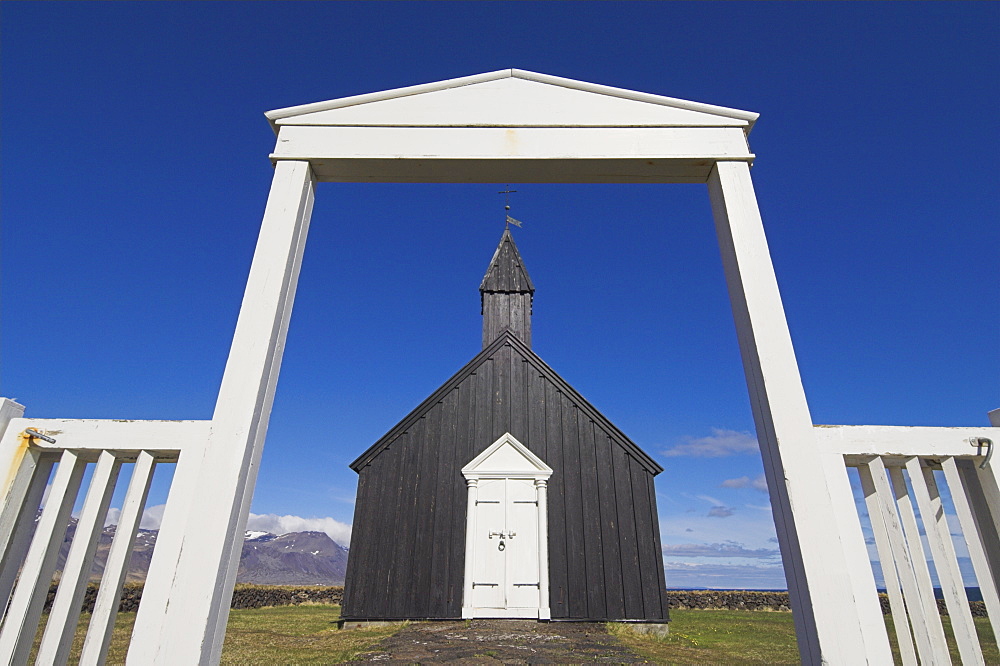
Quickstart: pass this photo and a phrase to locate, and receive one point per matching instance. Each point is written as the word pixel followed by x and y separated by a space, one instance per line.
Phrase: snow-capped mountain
pixel 297 558
pixel 292 559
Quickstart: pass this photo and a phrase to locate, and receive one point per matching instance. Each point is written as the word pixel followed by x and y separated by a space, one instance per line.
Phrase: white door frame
pixel 529 466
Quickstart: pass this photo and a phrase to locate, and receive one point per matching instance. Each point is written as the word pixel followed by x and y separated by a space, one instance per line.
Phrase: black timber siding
pixel 407 557
pixel 511 311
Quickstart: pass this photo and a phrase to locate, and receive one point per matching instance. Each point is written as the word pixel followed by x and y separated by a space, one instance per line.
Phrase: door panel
pixel 488 579
pixel 522 558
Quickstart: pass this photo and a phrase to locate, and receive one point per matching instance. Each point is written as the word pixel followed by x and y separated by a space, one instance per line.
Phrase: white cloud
pixel 720 443
pixel 759 483
pixel 709 499
pixel 728 549
pixel 270 522
pixel 723 576
pixel 719 508
pixel 152 517
pixel 114 515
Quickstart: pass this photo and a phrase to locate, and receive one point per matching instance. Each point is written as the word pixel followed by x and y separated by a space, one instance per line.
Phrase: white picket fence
pixel 903 473
pixel 30 541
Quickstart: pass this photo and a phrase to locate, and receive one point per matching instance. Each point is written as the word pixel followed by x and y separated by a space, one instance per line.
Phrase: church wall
pixel 408 548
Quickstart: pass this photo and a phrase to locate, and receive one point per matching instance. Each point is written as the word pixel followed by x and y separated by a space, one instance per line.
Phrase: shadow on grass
pixel 304 634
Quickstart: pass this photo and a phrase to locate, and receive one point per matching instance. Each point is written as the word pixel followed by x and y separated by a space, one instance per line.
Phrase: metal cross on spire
pixel 506 200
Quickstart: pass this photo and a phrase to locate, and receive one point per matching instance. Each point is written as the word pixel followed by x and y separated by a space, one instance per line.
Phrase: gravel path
pixel 503 641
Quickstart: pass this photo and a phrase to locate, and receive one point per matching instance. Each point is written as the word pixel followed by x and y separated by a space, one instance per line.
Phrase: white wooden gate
pixel 498 127
pixel 903 473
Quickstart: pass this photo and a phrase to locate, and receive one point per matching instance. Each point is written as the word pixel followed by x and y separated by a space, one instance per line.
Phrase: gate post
pixel 185 606
pixel 825 597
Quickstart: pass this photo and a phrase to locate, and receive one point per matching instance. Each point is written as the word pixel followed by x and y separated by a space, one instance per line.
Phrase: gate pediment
pixel 511 125
pixel 511 98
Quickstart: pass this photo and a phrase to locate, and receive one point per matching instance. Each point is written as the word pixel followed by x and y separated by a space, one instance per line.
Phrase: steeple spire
pixel 506 294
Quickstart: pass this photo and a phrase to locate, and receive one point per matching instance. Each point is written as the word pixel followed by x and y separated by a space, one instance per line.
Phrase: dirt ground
pixel 503 641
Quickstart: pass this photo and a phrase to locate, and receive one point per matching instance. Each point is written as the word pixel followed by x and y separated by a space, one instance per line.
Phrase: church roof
pixel 508 339
pixel 506 272
pixel 511 98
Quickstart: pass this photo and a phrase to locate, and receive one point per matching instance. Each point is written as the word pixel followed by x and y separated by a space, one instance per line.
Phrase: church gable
pixel 511 389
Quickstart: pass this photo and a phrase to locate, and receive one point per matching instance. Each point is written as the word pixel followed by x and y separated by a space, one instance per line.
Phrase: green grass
pixel 305 634
pixel 750 637
pixel 717 637
pixel 308 634
pixel 990 653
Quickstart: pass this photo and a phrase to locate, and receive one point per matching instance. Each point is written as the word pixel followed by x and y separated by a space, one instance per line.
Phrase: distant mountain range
pixel 297 558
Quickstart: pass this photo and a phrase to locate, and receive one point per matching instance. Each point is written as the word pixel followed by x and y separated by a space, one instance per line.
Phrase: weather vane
pixel 506 201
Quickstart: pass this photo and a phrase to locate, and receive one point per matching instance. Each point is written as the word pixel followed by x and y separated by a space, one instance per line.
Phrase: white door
pixel 505 559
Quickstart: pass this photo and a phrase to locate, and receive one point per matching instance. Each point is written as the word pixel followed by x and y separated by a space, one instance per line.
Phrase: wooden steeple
pixel 507 294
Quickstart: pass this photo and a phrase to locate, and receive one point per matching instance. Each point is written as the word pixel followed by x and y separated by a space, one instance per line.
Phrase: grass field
pixel 750 637
pixel 308 634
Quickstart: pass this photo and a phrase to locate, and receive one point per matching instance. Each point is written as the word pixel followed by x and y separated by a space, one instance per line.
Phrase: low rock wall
pixel 244 596
pixel 259 596
pixel 775 601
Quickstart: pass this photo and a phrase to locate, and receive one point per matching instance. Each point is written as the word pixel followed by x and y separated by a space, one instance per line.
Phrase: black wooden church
pixel 505 493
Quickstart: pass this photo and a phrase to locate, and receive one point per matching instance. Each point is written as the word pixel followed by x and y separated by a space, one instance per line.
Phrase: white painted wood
pixel 994 416
pixel 902 560
pixel 17 518
pixel 157 590
pixel 900 441
pixel 12 446
pixel 9 458
pixel 506 457
pixel 974 542
pixel 506 571
pixel 471 527
pixel 544 608
pixel 21 621
pixel 102 621
pixel 814 557
pixel 473 94
pixel 65 613
pixel 489 575
pixel 991 488
pixel 881 515
pixel 983 511
pixel 9 409
pixel 918 561
pixel 96 435
pixel 191 627
pixel 925 491
pixel 512 102
pixel 862 578
pixel 474 154
pixel 509 500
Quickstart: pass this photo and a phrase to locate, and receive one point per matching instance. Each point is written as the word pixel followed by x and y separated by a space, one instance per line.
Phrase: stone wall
pixel 259 596
pixel 775 601
pixel 244 596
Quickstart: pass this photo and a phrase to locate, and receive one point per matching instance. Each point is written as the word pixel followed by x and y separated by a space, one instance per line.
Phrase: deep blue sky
pixel 134 173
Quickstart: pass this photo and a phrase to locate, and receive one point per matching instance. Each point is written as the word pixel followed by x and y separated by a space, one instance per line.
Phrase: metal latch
pixel 34 433
pixel 979 443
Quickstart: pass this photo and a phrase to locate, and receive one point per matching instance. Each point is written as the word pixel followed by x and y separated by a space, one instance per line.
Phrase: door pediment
pixel 506 457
